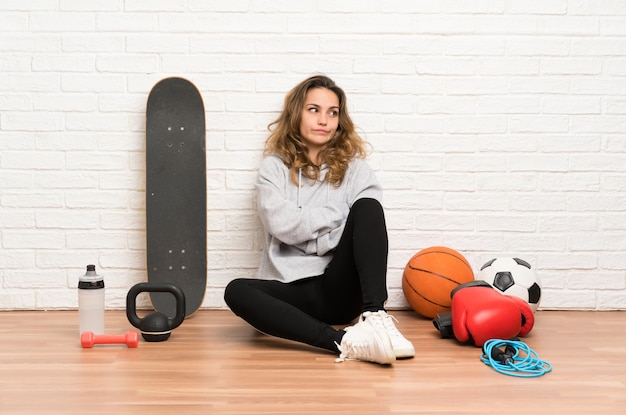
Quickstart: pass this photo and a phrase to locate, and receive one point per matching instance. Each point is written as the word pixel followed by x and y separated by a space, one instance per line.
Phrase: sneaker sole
pixel 384 345
pixel 404 353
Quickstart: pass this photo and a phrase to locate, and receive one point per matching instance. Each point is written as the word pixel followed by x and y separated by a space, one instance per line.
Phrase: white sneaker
pixel 363 343
pixel 380 320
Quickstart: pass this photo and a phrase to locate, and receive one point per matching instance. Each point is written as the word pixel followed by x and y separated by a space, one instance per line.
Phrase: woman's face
pixel 319 121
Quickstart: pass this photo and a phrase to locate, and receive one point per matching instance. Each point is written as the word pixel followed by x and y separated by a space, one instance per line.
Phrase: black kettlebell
pixel 155 327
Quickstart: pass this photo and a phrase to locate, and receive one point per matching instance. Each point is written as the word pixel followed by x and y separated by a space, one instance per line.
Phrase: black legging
pixel 304 310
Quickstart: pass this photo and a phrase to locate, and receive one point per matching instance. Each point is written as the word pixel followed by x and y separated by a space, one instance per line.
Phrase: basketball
pixel 430 276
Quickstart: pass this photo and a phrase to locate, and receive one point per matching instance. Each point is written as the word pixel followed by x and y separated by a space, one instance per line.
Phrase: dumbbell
pixel 88 339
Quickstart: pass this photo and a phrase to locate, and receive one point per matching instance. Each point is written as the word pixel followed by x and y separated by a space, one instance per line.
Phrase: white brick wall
pixel 499 128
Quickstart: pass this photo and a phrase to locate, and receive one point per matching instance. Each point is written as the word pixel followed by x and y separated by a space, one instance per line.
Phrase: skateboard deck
pixel 176 206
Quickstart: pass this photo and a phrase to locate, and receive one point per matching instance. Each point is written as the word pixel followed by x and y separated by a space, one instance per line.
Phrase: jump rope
pixel 517 359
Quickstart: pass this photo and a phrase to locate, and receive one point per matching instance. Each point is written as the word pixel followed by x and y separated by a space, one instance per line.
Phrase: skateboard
pixel 176 205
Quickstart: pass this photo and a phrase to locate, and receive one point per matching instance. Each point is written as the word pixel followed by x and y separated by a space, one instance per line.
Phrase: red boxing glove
pixel 528 317
pixel 480 313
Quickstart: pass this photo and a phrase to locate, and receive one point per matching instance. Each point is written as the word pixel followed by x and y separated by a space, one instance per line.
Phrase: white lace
pixel 386 321
pixel 343 356
pixel 351 349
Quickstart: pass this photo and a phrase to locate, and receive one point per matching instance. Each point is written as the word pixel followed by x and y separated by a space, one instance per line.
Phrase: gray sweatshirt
pixel 303 224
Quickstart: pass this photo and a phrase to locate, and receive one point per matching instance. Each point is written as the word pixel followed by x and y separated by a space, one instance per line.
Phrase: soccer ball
pixel 513 276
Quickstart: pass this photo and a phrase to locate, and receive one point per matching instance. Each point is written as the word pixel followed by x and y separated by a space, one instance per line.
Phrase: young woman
pixel 325 258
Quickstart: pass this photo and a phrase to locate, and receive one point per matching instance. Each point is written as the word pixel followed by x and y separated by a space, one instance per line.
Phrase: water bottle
pixel 91 301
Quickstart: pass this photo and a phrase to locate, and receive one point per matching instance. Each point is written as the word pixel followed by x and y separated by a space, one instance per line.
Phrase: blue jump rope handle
pixel 517 359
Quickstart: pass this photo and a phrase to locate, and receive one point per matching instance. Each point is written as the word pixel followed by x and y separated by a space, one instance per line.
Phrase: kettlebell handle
pixel 131 303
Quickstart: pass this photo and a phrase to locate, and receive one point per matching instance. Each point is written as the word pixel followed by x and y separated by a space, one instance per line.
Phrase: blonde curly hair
pixel 286 142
